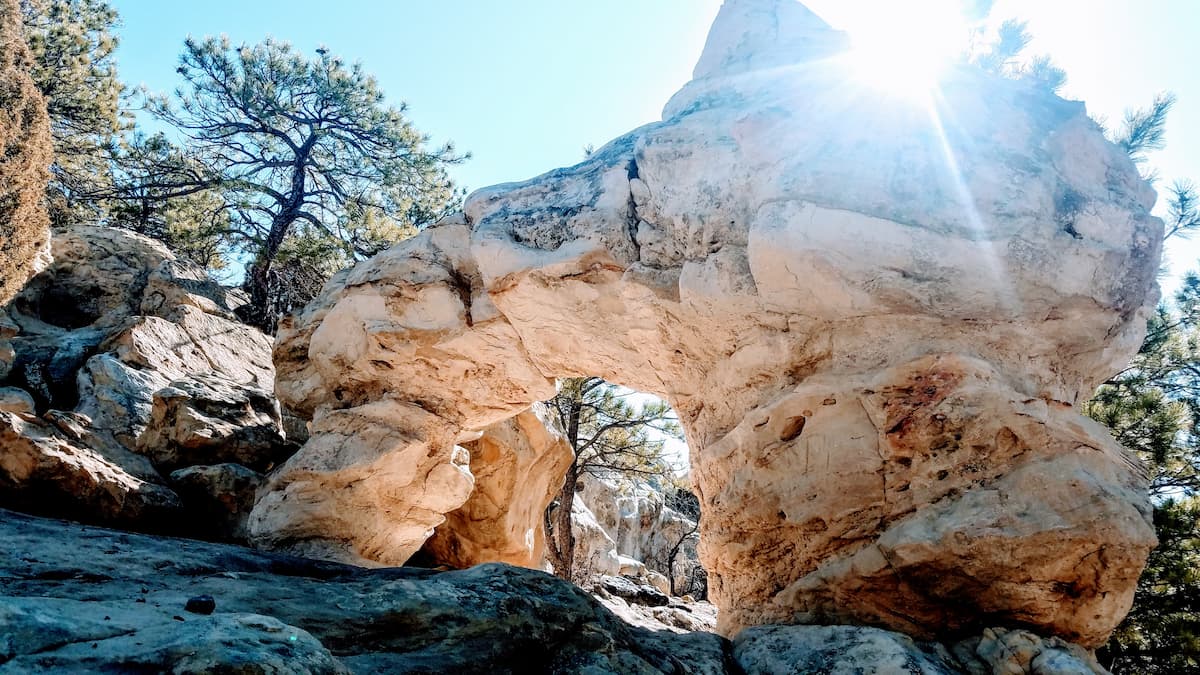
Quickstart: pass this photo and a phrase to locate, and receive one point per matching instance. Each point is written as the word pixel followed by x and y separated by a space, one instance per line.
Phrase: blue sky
pixel 524 85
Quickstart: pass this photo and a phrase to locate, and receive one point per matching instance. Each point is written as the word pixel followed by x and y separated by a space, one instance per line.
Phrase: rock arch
pixel 874 318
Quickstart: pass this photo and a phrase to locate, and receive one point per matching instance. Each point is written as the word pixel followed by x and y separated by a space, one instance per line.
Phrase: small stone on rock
pixel 201 604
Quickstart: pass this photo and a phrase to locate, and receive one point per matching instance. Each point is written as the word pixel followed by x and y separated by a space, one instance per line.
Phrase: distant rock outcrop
pixel 25 155
pixel 644 527
pixel 875 318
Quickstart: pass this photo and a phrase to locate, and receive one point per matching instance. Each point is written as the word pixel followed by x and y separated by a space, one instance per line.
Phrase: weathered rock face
pixel 595 552
pixel 25 155
pixel 218 497
pixel 207 418
pixel 91 344
pixel 874 316
pixel 518 466
pixel 44 469
pixel 277 614
pixel 849 649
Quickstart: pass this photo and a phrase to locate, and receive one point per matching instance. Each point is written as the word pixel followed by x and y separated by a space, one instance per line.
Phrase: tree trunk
pixel 258 285
pixel 564 538
pixel 559 533
pixel 260 313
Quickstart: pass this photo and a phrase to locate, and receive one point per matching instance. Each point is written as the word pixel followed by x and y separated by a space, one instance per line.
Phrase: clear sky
pixel 524 85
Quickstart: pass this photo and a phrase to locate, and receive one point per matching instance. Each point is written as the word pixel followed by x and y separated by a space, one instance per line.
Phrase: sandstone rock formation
pixel 595 552
pixel 276 613
pixel 25 155
pixel 115 336
pixel 518 467
pixel 874 316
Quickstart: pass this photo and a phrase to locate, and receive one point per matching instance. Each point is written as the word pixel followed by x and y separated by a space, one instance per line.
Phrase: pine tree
pixel 1153 408
pixel 300 151
pixel 610 436
pixel 72 43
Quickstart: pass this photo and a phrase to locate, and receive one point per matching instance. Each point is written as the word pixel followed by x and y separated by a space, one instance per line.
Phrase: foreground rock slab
pixel 81 598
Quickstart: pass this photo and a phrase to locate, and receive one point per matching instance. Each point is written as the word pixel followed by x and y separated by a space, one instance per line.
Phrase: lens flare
pixel 902 48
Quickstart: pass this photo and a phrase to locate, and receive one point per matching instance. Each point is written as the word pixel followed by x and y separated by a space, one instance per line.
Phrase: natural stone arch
pixel 874 323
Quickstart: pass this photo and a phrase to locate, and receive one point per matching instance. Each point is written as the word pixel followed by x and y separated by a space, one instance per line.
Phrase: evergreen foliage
pixel 307 166
pixel 1153 408
pixel 72 45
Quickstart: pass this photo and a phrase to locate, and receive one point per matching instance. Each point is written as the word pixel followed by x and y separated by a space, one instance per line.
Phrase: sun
pixel 903 48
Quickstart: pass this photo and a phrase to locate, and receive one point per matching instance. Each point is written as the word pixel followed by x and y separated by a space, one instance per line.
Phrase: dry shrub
pixel 25 155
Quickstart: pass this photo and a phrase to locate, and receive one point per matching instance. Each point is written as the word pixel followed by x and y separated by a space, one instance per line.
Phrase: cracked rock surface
pixel 120 363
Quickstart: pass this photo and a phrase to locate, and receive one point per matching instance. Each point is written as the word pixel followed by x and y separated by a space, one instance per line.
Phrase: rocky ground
pixel 77 598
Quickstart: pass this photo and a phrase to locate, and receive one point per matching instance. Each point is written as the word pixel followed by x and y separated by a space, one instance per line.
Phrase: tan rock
pixel 116 318
pixel 874 318
pixel 118 397
pixel 44 470
pixel 595 552
pixel 209 419
pixel 16 400
pixel 196 342
pixel 399 442
pixel 221 495
pixel 636 517
pixel 659 582
pixel 518 466
pixel 98 278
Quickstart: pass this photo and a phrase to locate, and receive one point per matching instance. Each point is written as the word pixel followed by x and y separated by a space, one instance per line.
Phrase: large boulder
pixel 44 470
pixel 115 336
pixel 518 467
pixel 26 151
pixel 210 419
pixel 875 318
pixel 219 497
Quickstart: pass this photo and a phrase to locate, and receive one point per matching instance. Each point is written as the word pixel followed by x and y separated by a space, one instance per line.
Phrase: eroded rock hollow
pixel 875 316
